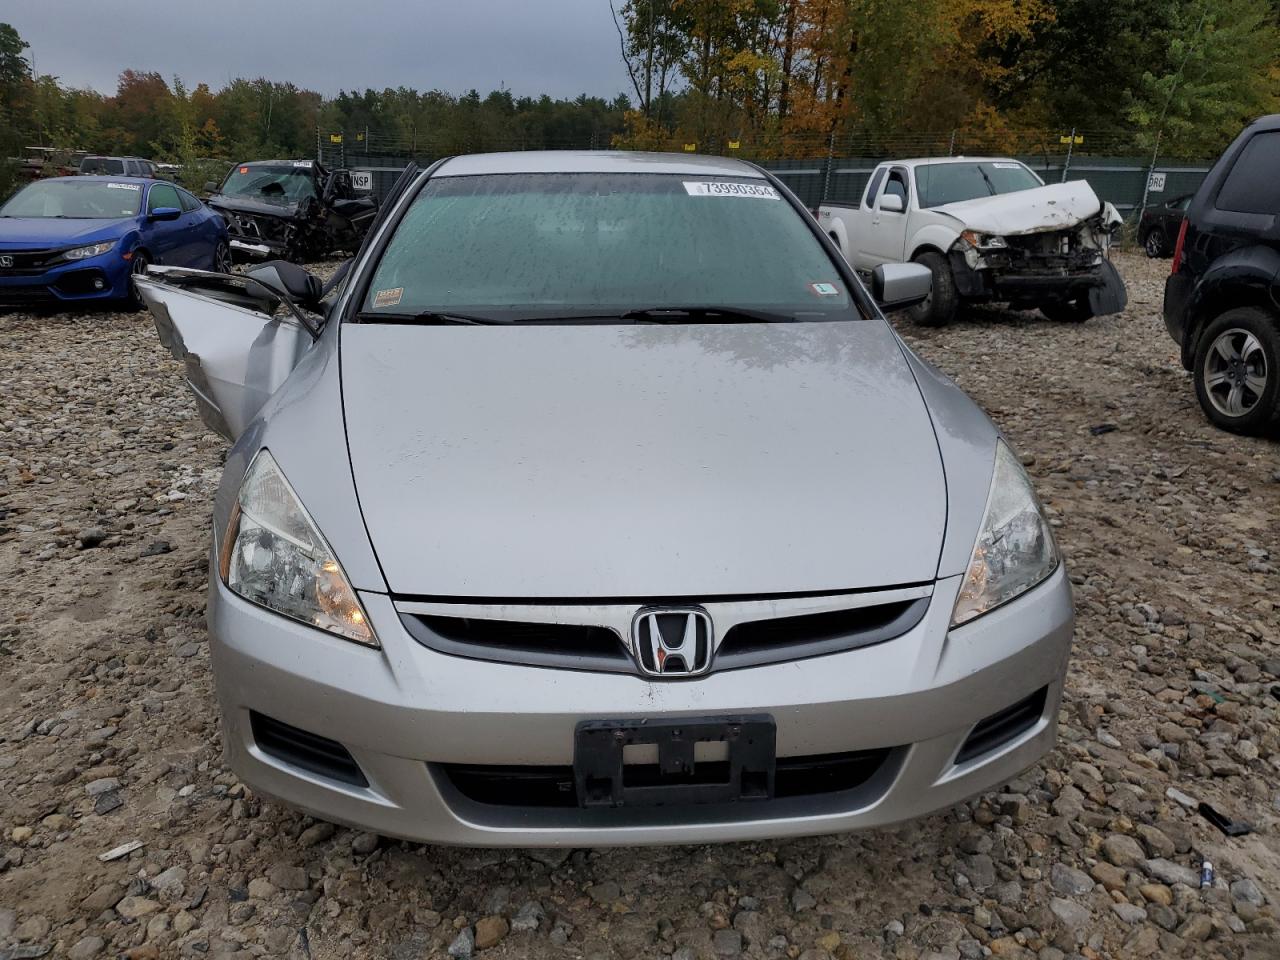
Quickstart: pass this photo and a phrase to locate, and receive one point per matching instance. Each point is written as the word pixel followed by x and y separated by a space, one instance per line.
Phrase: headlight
pixel 274 556
pixel 84 253
pixel 984 241
pixel 1015 548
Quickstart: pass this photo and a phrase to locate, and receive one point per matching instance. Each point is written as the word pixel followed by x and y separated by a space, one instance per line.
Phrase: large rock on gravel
pixel 1069 881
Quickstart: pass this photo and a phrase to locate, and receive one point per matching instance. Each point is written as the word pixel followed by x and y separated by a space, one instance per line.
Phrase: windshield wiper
pixel 428 317
pixel 730 314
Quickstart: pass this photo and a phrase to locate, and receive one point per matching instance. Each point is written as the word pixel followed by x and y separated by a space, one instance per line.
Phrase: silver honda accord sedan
pixel 595 502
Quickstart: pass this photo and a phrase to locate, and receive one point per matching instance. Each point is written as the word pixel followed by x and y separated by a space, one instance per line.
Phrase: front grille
pixel 585 636
pixel 27 263
pixel 1003 726
pixel 553 786
pixel 566 645
pixel 254 229
pixel 308 751
pixel 26 295
pixel 815 634
pixel 1056 252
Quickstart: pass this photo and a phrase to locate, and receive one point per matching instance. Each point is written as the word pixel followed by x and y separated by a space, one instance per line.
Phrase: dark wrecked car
pixel 291 209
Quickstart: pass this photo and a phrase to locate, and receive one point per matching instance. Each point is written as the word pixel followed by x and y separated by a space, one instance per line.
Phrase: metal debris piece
pixel 115 853
pixel 1232 828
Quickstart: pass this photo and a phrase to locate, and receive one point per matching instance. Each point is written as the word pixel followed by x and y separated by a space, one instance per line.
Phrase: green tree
pixel 1218 69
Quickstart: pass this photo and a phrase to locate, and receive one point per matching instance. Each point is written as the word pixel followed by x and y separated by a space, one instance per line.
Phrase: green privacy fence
pixel 837 170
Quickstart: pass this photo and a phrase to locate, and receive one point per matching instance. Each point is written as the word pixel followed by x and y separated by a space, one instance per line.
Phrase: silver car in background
pixel 597 503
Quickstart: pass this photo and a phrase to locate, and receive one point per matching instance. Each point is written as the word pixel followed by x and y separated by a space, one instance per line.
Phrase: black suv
pixel 1222 300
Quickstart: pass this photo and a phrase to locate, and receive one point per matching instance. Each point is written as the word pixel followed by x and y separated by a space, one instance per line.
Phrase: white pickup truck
pixel 988 229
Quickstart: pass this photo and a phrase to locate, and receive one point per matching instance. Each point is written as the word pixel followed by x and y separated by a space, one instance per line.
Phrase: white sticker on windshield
pixel 825 289
pixel 387 298
pixel 727 188
pixel 1005 165
pixel 124 186
pixel 302 163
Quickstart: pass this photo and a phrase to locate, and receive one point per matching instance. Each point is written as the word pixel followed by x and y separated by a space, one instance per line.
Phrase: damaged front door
pixel 236 352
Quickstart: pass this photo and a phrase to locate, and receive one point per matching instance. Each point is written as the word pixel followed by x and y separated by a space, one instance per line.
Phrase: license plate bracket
pixel 744 774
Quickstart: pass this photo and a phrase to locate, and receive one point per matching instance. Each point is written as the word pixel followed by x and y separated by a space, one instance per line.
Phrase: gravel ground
pixel 108 731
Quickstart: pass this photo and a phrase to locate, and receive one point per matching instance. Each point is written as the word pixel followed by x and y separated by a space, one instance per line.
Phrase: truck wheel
pixel 1237 371
pixel 1068 311
pixel 937 309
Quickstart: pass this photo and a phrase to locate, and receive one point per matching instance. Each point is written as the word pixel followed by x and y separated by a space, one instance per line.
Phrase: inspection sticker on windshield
pixel 302 163
pixel 124 186
pixel 1005 165
pixel 387 298
pixel 825 289
pixel 726 188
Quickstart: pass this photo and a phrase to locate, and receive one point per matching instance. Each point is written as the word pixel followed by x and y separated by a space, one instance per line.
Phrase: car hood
pixel 17 233
pixel 1055 207
pixel 641 461
pixel 259 208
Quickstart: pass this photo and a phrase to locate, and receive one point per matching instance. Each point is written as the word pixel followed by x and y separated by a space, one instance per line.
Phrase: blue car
pixel 74 239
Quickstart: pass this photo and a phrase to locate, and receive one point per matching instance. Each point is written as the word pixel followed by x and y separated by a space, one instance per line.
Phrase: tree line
pixel 774 77
pixel 791 73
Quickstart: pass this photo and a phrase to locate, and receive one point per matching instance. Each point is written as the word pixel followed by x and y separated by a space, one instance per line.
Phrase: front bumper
pixel 255 249
pixel 104 277
pixel 405 710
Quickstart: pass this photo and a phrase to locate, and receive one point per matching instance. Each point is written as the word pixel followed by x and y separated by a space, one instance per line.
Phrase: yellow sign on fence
pixel 1066 138
pixel 335 138
pixel 690 147
pixel 734 144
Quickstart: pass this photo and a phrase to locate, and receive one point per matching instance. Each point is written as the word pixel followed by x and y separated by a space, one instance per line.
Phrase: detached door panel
pixel 234 354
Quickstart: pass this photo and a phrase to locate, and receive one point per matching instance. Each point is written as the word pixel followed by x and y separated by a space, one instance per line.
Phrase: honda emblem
pixel 6 261
pixel 672 641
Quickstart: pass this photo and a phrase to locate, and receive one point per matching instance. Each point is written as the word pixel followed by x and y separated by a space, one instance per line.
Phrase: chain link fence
pixel 834 169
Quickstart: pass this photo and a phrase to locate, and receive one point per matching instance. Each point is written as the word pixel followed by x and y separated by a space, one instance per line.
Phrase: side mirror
pixel 210 187
pixel 165 213
pixel 896 286
pixel 290 281
pixel 892 203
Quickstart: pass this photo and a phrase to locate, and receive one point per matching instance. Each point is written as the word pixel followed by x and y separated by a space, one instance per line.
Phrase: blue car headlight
pixel 93 250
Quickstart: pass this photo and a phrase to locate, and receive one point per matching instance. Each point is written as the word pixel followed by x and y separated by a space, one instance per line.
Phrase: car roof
pixel 595 161
pixel 920 161
pixel 141 181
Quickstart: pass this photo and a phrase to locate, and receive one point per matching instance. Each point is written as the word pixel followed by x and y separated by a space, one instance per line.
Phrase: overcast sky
pixel 559 47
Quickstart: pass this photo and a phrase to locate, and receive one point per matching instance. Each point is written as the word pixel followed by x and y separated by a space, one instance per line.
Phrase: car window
pixel 874 186
pixel 271 183
pixel 1252 185
pixel 108 165
pixel 189 202
pixel 75 198
pixel 897 185
pixel 522 246
pixel 162 195
pixel 952 182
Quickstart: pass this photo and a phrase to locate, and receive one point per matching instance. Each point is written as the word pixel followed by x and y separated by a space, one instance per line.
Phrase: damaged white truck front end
pixel 988 229
pixel 1047 248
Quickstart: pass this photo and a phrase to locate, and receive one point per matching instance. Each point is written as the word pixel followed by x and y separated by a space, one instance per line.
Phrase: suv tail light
pixel 1177 247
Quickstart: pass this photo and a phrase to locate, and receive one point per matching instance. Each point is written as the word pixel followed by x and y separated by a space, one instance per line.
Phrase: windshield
pixel 531 246
pixel 105 165
pixel 272 183
pixel 939 183
pixel 75 199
